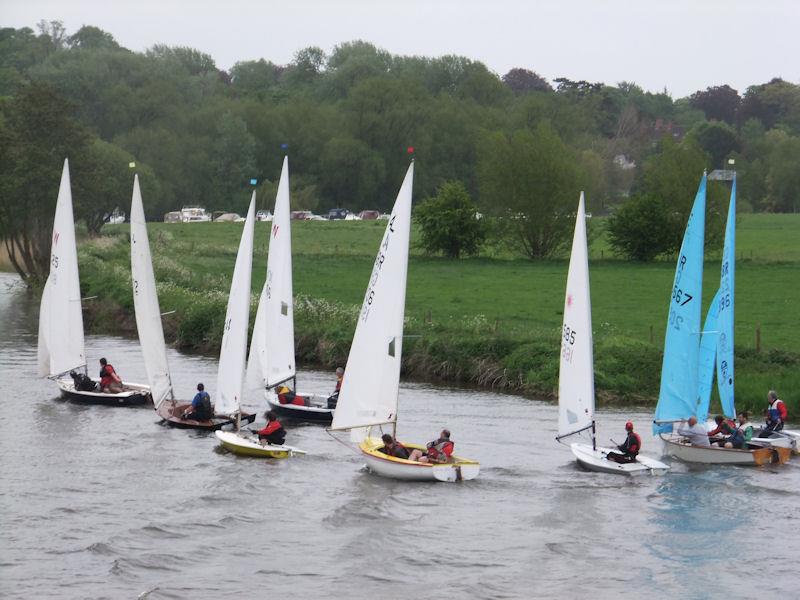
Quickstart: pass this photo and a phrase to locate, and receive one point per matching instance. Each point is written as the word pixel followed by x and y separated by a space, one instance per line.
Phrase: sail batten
pixel 146 306
pixel 61 344
pixel 369 392
pixel 576 401
pixel 678 395
pixel 231 370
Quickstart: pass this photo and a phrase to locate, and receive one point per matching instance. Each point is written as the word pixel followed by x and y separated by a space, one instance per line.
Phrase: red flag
pixel 410 150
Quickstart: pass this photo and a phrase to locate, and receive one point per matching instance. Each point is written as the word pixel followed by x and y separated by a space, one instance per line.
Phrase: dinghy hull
pixel 171 410
pixel 248 446
pixel 676 446
pixel 459 469
pixel 316 411
pixel 595 460
pixel 135 394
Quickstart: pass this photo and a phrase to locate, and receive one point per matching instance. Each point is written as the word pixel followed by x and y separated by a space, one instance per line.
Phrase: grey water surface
pixel 100 502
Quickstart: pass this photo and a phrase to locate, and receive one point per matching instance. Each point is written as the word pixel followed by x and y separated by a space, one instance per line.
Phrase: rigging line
pixel 346 445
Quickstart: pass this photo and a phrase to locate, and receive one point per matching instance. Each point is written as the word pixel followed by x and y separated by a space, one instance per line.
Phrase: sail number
pixel 680 296
pixel 376 271
pixel 724 302
pixel 675 320
pixel 567 343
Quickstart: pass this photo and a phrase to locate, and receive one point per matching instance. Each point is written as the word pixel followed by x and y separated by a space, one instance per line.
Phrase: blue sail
pixel 677 398
pixel 706 360
pixel 725 321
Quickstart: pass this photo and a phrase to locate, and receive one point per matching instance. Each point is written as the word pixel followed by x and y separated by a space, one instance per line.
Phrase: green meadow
pixel 492 322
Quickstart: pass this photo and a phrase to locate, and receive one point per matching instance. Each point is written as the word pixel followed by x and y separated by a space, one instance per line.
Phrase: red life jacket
pixel 106 375
pixel 271 427
pixel 439 447
pixel 637 442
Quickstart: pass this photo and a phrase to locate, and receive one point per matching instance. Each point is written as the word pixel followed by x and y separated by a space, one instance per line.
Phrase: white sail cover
pixel 371 380
pixel 576 369
pixel 273 336
pixel 60 320
pixel 145 303
pixel 232 354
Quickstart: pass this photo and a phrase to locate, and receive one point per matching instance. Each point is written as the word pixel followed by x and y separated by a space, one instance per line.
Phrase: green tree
pixel 531 181
pixel 232 163
pixel 642 228
pixel 449 222
pixel 352 173
pixel 718 139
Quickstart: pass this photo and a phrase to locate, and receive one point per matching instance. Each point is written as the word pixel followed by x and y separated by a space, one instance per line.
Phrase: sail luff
pixel 233 350
pixel 678 394
pixel 576 399
pixel 725 353
pixel 146 306
pixel 61 344
pixel 369 391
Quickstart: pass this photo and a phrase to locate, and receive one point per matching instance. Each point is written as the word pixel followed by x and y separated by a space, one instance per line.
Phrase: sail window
pixel 391 347
pixel 284 308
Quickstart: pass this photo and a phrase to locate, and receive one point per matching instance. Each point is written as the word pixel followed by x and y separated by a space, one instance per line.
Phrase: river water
pixel 100 502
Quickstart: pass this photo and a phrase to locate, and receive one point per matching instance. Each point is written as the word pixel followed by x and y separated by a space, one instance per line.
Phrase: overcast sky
pixel 680 45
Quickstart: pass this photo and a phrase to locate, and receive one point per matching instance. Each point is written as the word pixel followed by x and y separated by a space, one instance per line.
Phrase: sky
pixel 678 45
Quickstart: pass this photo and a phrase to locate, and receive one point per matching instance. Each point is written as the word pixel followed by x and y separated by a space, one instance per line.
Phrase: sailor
pixel 745 427
pixel 776 414
pixel 334 397
pixel 725 427
pixel 110 383
pixel 694 432
pixel 629 449
pixel 438 451
pixel 273 433
pixel 287 396
pixel 200 409
pixel 392 447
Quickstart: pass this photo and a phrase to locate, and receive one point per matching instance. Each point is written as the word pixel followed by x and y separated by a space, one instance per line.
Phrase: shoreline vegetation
pixel 492 322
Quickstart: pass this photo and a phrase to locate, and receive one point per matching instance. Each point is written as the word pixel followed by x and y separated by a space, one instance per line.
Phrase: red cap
pixel 629 426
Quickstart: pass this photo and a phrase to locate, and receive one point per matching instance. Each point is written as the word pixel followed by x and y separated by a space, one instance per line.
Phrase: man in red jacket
pixel 273 433
pixel 110 383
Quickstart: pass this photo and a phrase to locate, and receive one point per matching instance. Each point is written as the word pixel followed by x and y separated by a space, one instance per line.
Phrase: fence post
pixel 758 337
pixel 651 334
pixel 428 316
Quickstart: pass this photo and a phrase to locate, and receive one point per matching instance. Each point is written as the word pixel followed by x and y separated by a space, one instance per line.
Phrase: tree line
pixel 521 146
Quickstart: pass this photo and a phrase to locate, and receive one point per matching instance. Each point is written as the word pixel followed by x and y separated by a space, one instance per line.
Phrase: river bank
pixel 488 322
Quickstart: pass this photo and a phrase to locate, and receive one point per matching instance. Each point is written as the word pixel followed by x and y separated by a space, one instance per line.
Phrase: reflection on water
pixel 104 502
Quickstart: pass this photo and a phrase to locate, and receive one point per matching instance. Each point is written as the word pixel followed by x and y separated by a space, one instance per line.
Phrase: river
pixel 103 502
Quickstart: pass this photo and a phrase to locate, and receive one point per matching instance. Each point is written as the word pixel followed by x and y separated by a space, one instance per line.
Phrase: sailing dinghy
pixel 369 393
pixel 271 364
pixel 690 352
pixel 61 347
pixel 576 400
pixel 233 354
pixel 151 331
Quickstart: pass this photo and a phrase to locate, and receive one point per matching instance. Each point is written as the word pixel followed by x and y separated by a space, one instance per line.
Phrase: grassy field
pixel 490 321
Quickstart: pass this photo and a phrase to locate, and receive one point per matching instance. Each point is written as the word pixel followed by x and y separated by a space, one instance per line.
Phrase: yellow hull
pixel 457 469
pixel 243 446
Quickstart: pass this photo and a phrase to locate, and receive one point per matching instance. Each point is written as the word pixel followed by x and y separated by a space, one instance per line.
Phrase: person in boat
pixel 725 428
pixel 334 397
pixel 694 432
pixel 273 432
pixel 200 408
pixel 776 414
pixel 629 449
pixel 82 382
pixel 392 447
pixel 110 382
pixel 437 451
pixel 744 426
pixel 287 396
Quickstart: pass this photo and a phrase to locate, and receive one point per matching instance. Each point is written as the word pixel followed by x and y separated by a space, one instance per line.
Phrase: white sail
pixel 254 377
pixel 145 302
pixel 60 320
pixel 369 391
pixel 230 373
pixel 278 356
pixel 576 369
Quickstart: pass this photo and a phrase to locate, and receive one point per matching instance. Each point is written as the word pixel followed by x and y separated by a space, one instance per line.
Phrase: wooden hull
pixel 248 446
pixel 459 469
pixel 316 411
pixel 595 460
pixel 135 394
pixel 714 455
pixel 171 410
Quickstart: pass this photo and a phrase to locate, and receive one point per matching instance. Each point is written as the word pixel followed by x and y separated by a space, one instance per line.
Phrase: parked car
pixel 228 217
pixel 263 215
pixel 369 215
pixel 194 214
pixel 301 215
pixel 116 217
pixel 317 218
pixel 338 213
pixel 173 217
pixel 384 216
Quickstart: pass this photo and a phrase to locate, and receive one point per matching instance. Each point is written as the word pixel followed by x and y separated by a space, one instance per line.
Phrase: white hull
pixel 714 455
pixel 595 460
pixel 459 469
pixel 132 391
pixel 248 446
